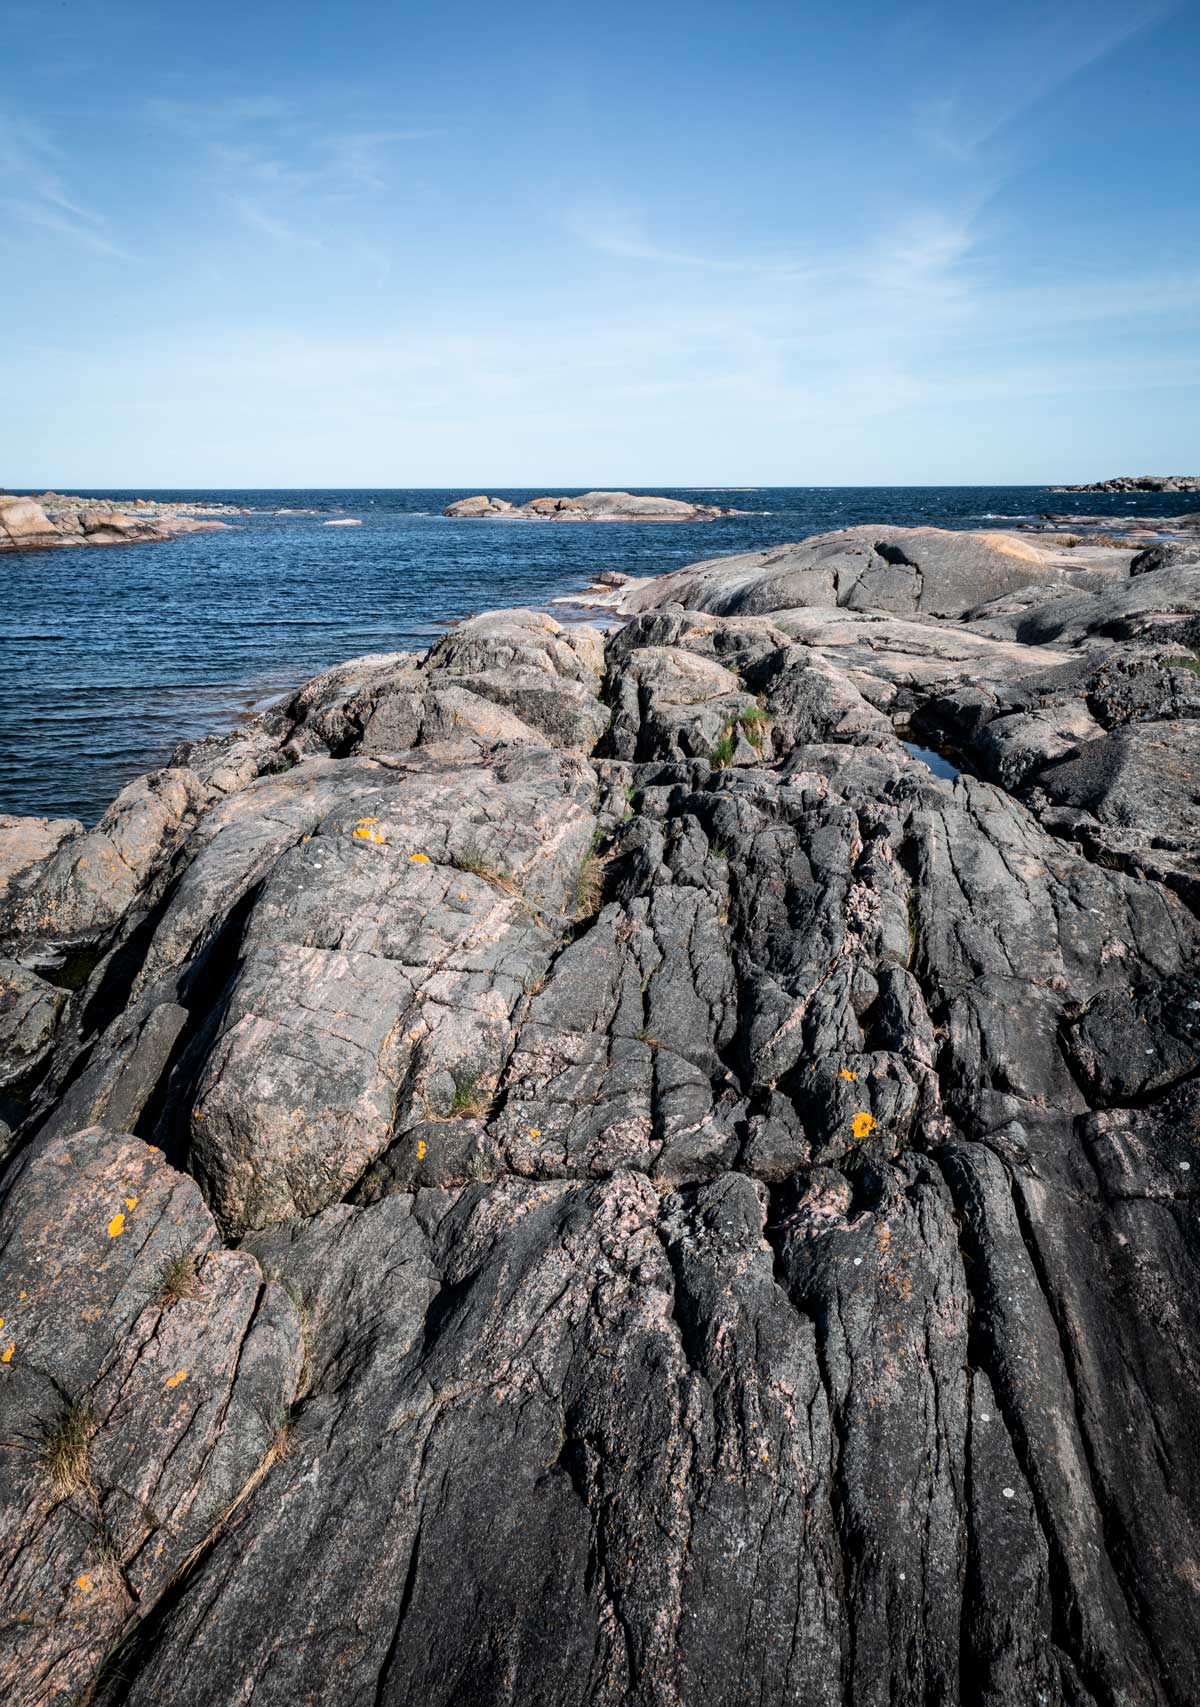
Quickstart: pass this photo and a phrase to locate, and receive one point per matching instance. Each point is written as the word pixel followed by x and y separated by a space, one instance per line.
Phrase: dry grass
pixel 589 885
pixel 64 1452
pixel 180 1279
pixel 471 1100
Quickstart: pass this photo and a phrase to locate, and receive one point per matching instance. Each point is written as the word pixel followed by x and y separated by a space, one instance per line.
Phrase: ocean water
pixel 111 655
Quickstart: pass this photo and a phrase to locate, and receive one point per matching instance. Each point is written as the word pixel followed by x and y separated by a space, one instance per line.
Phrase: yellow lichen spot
pixel 85 1583
pixel 365 823
pixel 863 1125
pixel 6 1354
pixel 22 1295
pixel 1 1321
pixel 422 1149
pixel 463 896
pixel 117 1225
pixel 174 1380
pixel 535 1131
pixel 132 1202
pixel 154 1149
pixel 845 1073
pixel 419 859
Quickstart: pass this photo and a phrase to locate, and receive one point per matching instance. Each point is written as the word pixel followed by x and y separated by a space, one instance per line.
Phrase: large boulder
pixel 24 525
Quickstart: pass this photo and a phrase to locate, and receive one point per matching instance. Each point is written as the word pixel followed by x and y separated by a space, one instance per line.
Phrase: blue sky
pixel 655 244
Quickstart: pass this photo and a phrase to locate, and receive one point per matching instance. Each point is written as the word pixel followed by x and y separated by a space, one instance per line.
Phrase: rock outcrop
pixel 590 507
pixel 905 571
pixel 581 1172
pixel 1139 483
pixel 28 524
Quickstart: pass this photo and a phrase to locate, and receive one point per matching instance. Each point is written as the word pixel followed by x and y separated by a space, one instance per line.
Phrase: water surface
pixel 113 654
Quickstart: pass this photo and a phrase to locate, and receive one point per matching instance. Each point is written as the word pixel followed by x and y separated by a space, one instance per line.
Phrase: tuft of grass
pixel 470 1101
pixel 1182 663
pixel 473 859
pixel 180 1279
pixel 646 1036
pixel 721 756
pixel 753 723
pixel 478 1169
pixel 64 1453
pixel 589 884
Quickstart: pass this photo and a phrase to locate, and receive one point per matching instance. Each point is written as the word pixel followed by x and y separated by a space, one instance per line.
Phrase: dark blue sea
pixel 111 655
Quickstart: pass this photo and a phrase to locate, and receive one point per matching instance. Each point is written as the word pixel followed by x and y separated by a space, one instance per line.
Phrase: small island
pixel 1139 483
pixel 32 524
pixel 589 507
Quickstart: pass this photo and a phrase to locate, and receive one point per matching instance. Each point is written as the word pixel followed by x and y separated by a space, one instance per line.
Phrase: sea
pixel 113 655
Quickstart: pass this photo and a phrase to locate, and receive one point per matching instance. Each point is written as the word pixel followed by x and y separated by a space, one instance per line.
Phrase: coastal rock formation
pixel 907 571
pixel 590 507
pixel 581 1172
pixel 27 524
pixel 1139 483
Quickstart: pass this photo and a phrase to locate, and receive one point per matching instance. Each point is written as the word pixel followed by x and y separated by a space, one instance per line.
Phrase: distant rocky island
pixel 53 519
pixel 590 507
pixel 630 1169
pixel 1139 483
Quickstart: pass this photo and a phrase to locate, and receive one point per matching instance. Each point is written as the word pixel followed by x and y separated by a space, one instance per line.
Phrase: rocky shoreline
pixel 588 507
pixel 574 1169
pixel 35 524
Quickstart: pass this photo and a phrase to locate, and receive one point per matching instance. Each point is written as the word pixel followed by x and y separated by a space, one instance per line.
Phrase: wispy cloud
pixel 30 158
pixel 278 170
pixel 1012 74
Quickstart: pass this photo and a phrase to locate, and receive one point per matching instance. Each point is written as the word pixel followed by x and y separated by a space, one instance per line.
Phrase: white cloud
pixel 31 164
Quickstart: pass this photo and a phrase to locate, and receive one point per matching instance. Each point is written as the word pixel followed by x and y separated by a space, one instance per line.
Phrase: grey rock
pixel 714 1202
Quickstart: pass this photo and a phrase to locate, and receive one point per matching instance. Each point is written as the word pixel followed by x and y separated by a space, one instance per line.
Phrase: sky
pixel 654 244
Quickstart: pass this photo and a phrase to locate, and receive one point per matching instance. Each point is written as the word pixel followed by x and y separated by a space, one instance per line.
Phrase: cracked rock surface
pixel 580 1171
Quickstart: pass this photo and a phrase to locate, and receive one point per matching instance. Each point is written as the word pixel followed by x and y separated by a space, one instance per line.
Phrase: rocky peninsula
pixel 589 507
pixel 1139 483
pixel 575 1169
pixel 33 524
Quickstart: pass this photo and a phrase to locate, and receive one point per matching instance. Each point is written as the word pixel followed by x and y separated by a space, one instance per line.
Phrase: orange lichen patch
pixel 362 834
pixel 22 1295
pixel 422 1149
pixel 84 1583
pixel 863 1125
pixel 845 1073
pixel 174 1380
pixel 132 1202
pixel 6 1354
pixel 154 1148
pixel 419 859
pixel 117 1225
pixel 535 1131
pixel 365 823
